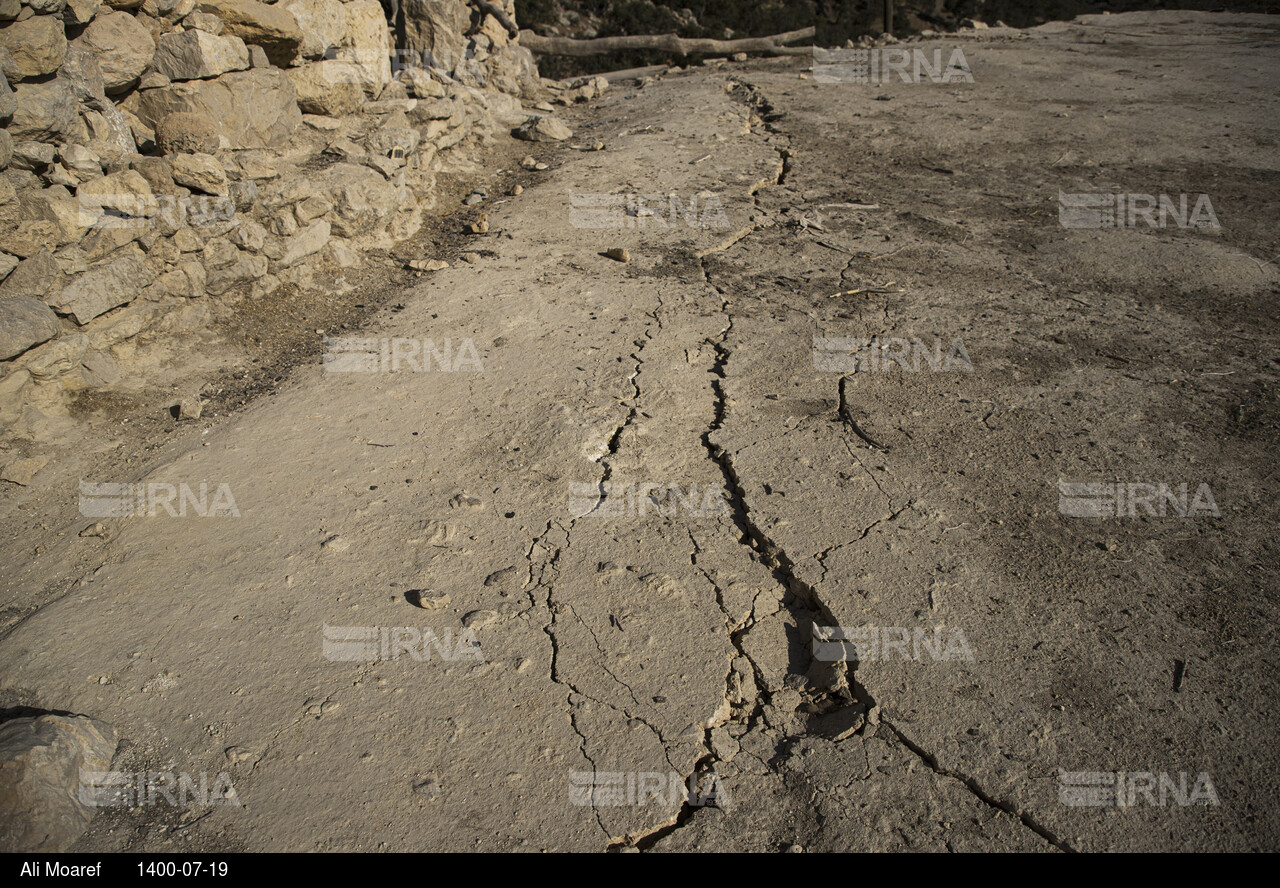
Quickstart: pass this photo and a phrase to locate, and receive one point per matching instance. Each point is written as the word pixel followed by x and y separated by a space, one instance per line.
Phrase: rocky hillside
pixel 163 159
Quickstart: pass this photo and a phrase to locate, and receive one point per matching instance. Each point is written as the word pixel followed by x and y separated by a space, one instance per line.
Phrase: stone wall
pixel 159 154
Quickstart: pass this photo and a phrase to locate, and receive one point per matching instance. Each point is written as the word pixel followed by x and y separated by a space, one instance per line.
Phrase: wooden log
pixel 670 43
pixel 498 13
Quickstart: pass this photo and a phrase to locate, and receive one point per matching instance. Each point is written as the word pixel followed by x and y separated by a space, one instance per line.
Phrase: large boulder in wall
pixel 251 109
pixel 437 29
pixel 366 45
pixel 274 28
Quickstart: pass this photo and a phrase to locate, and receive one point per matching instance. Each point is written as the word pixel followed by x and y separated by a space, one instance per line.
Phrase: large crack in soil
pixel 801 599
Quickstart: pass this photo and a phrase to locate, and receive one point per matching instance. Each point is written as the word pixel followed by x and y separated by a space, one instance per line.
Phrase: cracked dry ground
pixel 681 642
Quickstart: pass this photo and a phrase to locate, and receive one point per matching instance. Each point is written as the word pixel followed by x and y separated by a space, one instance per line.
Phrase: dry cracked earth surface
pixel 755 487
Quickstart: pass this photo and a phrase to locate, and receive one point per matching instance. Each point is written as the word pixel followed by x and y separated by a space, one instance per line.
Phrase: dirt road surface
pixel 642 485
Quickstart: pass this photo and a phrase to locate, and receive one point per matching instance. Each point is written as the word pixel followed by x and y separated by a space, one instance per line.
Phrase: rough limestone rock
pixel 227 267
pixel 187 132
pixel 123 47
pixel 110 134
pixel 201 172
pixel 513 70
pixel 46 112
pixel 272 27
pixel 367 45
pixel 437 29
pixel 34 156
pixel 84 75
pixel 106 239
pixel 504 108
pixel 80 161
pixel 158 172
pixel 543 129
pixel 196 55
pixel 304 243
pixel 29 237
pixel 203 21
pixel 361 197
pixel 243 194
pixel 8 200
pixel 331 87
pixel 143 135
pixel 58 357
pixel 251 109
pixel 8 103
pixel 127 193
pixel 80 12
pixel 24 322
pixel 36 46
pixel 197 280
pixel 71 216
pixel 104 287
pixel 35 277
pixel 420 83
pixel 323 24
pixel 42 761
pixel 395 132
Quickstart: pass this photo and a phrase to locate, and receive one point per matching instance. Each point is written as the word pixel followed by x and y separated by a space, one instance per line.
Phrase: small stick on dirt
pixel 867 290
pixel 1179 667
pixel 191 823
pixel 821 242
pixel 846 414
pixel 874 257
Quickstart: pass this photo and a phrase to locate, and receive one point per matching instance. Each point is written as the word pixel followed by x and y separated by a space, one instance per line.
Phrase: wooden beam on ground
pixel 670 43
